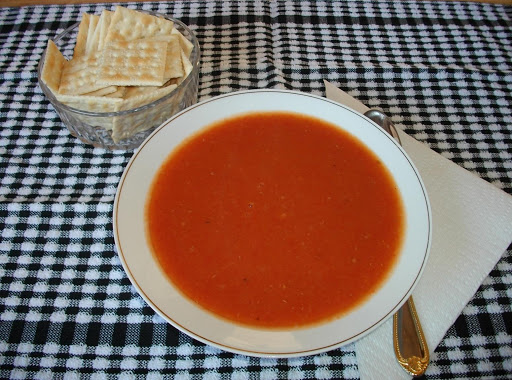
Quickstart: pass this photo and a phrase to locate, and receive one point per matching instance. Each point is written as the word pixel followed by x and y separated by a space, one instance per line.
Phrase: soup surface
pixel 275 220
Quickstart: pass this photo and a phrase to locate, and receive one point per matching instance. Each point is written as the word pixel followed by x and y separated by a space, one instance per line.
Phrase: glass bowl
pixel 94 128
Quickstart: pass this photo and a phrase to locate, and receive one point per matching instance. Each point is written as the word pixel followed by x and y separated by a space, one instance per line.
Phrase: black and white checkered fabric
pixel 442 70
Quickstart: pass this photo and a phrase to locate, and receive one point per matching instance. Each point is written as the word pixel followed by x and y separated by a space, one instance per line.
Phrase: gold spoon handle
pixel 411 349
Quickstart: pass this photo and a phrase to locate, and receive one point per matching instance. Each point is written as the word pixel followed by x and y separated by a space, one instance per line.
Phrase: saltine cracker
pixel 134 63
pixel 53 66
pixel 81 37
pixel 128 25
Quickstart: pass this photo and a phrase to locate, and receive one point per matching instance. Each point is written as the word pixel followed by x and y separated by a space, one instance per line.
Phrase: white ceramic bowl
pixel 166 300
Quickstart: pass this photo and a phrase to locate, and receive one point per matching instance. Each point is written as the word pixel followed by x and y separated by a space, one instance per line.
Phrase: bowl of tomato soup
pixel 272 223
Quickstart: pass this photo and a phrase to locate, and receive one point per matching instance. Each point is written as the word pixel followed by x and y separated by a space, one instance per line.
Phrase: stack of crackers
pixel 122 60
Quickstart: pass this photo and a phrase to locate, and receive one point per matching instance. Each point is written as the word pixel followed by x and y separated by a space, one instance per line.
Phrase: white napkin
pixel 472 228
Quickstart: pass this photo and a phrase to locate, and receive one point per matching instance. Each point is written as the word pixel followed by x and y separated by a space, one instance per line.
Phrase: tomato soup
pixel 275 220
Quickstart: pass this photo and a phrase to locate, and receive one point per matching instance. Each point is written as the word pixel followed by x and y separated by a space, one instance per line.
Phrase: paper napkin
pixel 472 228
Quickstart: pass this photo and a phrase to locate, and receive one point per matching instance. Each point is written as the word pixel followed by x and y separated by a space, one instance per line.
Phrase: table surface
pixel 442 70
pixel 17 3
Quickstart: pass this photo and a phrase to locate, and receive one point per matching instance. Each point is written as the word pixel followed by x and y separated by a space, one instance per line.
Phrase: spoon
pixel 411 349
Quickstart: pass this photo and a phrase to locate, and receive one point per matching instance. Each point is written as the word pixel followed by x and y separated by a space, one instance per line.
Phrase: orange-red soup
pixel 275 220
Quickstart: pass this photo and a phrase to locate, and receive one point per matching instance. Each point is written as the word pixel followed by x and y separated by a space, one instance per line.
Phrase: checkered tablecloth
pixel 442 70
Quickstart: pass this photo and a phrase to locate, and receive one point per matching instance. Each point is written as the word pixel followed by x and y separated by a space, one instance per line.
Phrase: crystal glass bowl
pixel 89 127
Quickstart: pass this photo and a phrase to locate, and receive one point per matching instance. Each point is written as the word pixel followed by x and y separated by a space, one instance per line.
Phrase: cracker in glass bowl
pixel 129 71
